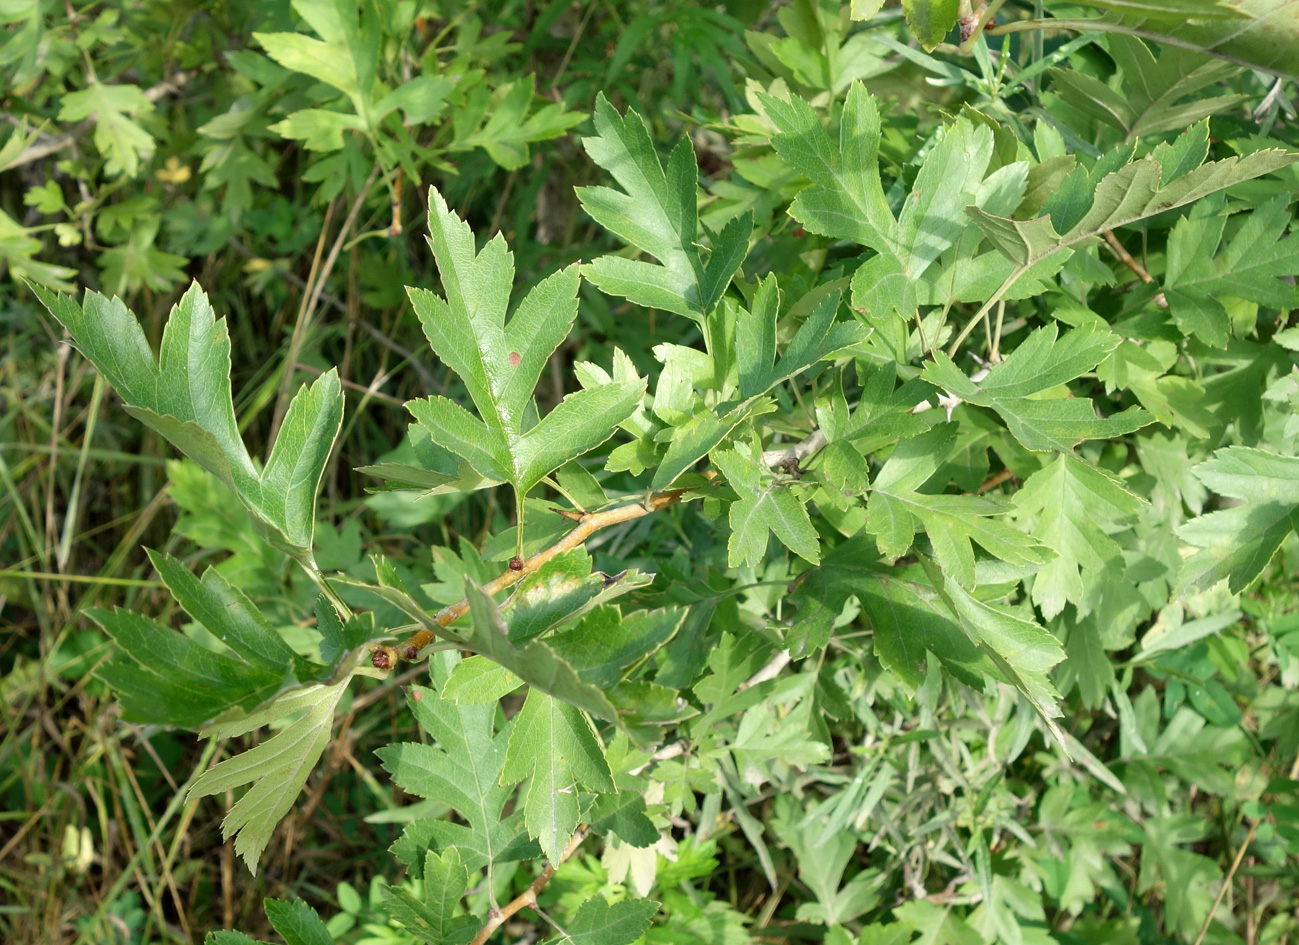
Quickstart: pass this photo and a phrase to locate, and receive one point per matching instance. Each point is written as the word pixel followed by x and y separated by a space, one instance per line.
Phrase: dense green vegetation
pixel 833 477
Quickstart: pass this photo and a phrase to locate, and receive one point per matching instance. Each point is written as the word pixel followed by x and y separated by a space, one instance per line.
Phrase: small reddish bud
pixel 411 652
pixel 381 659
pixel 516 564
pixel 515 358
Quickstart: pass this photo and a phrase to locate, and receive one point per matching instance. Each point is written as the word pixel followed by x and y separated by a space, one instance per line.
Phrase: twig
pixel 1235 865
pixel 311 300
pixel 1126 258
pixel 528 898
pixel 334 302
pixel 591 523
pixel 45 148
pixel 770 671
pixel 797 453
pixel 950 402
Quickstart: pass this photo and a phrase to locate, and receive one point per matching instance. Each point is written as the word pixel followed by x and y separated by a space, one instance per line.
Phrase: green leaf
pixel 122 142
pixel 1075 508
pixel 764 506
pixel 598 923
pixel 535 663
pixel 344 57
pixel 433 917
pixel 655 212
pixel 1021 650
pixel 297 923
pixel 279 766
pixel 1237 543
pixel 317 128
pixel 846 199
pixel 185 396
pixel 165 678
pixel 554 745
pixel 607 642
pixel 930 20
pixel 509 128
pixel 1127 195
pixel 1039 364
pixel 500 363
pixel 1254 265
pixel 461 768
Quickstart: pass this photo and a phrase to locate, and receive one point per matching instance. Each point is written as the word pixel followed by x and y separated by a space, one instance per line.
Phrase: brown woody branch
pixel 588 524
pixel 1126 258
pixel 528 898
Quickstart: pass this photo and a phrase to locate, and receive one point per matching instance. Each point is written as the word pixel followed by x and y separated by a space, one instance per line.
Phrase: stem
pixel 528 898
pixel 588 525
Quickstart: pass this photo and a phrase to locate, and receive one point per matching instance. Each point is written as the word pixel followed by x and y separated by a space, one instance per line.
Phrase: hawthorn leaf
pixel 185 395
pixel 846 199
pixel 297 923
pixel 500 363
pixel 432 916
pixel 1130 193
pixel 460 768
pixel 1040 363
pixel 1075 508
pixel 1022 650
pixel 554 746
pixel 277 769
pixel 1237 543
pixel 120 139
pixel 764 506
pixel 166 678
pixel 509 129
pixel 656 212
pixel 608 641
pixel 1254 264
pixel 535 663
pixel 930 20
pixel 598 923
pixel 951 522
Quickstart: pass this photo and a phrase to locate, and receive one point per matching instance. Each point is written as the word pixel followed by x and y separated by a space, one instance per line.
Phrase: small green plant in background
pixel 899 537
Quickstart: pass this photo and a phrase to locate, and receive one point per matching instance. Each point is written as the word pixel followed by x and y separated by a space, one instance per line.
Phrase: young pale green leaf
pixel 344 56
pixel 461 768
pixel 763 507
pixel 1237 543
pixel 1075 508
pixel 499 363
pixel 185 395
pixel 656 213
pixel 279 766
pixel 509 128
pixel 554 745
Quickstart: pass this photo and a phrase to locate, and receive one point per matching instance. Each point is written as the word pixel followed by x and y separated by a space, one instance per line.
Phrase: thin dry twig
pixel 528 898
pixel 1126 258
